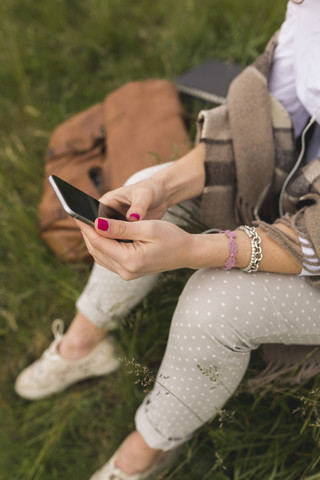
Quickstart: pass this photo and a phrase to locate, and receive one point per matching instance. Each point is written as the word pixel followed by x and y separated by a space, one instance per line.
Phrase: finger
pixel 121 230
pixel 110 254
pixel 130 206
pixel 119 204
pixel 96 246
pixel 90 236
pixel 83 227
pixel 141 201
pixel 85 238
pixel 88 245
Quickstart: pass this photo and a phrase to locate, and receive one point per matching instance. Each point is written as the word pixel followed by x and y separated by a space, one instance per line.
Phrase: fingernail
pixel 81 233
pixel 135 215
pixel 103 224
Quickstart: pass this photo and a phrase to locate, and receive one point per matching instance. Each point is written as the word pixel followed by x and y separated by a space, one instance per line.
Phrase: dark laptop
pixel 209 81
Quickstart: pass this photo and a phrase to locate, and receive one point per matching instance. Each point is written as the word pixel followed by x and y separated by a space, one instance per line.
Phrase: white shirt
pixel 295 76
pixel 295 72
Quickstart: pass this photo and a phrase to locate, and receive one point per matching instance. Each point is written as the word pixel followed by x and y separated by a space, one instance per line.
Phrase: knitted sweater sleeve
pixel 302 202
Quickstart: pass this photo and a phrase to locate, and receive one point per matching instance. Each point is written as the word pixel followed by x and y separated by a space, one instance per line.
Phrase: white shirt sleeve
pixel 307 55
pixel 295 72
pixel 295 81
pixel 312 263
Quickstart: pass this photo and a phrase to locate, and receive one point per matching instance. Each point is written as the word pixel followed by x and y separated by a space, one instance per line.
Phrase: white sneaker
pixel 52 373
pixel 110 472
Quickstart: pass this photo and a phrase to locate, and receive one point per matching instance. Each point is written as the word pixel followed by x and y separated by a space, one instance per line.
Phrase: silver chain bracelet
pixel 256 252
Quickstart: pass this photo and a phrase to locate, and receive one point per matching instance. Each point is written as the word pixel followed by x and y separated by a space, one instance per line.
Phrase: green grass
pixel 57 58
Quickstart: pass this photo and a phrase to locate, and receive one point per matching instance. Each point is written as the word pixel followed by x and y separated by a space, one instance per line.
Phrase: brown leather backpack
pixel 136 126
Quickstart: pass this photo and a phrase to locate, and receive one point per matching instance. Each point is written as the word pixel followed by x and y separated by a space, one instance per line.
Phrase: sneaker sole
pixel 112 366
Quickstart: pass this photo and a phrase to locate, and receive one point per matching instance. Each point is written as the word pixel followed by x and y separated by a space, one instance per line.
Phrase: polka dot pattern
pixel 220 318
pixel 106 296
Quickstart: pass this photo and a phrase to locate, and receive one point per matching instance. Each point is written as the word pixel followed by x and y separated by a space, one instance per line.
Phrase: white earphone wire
pixel 299 159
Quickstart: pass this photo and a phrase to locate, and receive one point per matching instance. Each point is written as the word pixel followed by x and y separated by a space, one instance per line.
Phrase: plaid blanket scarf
pixel 250 150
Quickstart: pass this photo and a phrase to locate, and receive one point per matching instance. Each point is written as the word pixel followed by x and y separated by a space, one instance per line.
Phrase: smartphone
pixel 79 204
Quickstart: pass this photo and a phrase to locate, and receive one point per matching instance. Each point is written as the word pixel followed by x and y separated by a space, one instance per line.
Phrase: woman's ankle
pixel 70 349
pixel 81 338
pixel 136 456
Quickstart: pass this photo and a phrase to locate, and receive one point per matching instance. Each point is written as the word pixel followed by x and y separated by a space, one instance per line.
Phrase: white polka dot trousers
pixel 220 317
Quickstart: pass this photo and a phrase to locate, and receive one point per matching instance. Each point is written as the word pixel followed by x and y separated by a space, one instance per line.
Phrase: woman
pixel 252 285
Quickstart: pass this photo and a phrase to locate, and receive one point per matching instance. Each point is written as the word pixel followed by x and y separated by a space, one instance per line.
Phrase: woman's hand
pixel 156 246
pixel 150 198
pixel 142 200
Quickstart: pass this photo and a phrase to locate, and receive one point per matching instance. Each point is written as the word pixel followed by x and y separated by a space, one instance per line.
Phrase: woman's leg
pixel 83 351
pixel 81 338
pixel 221 316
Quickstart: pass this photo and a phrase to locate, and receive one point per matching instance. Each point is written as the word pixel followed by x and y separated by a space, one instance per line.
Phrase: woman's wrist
pixel 209 251
pixel 213 251
pixel 184 178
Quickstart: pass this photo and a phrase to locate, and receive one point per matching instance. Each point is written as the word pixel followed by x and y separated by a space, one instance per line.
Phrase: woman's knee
pixel 209 309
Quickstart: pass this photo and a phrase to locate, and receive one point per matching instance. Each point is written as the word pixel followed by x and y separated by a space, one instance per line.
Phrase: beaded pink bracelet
pixel 233 249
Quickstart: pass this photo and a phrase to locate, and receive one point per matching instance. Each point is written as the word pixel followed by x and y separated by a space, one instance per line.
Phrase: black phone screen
pixel 82 204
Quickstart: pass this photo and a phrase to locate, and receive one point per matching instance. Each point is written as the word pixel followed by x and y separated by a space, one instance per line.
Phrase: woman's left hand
pixel 155 246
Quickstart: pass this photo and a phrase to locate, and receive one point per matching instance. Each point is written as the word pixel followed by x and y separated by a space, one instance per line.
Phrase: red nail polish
pixel 135 215
pixel 103 224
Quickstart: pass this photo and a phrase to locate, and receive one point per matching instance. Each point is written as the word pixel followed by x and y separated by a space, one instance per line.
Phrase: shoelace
pixel 57 330
pixel 57 327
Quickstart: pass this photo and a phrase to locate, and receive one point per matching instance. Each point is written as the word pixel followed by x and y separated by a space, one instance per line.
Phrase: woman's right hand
pixel 151 198
pixel 142 200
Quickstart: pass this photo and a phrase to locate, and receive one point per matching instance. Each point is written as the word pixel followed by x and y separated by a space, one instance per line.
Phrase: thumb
pixel 141 201
pixel 118 229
